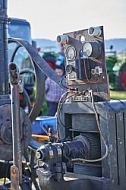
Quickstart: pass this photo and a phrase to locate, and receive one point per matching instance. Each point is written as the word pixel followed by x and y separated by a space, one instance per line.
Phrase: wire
pixel 97 61
pixel 102 138
pixel 61 101
pixel 74 92
pixel 63 98
pixel 91 82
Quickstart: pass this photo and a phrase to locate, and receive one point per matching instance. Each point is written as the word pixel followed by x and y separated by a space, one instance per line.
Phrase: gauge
pixel 91 49
pixel 70 52
pixel 87 49
pixel 69 69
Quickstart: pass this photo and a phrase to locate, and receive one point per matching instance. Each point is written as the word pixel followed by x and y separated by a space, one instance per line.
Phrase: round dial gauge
pixel 70 52
pixel 69 69
pixel 87 49
pixel 92 49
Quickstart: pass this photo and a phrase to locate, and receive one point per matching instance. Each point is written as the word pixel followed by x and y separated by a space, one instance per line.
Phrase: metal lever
pixel 15 111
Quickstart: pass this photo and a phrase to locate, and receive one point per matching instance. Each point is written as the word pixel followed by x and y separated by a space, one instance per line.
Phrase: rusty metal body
pixel 79 119
pixel 90 152
pixel 15 124
pixel 85 112
pixel 16 132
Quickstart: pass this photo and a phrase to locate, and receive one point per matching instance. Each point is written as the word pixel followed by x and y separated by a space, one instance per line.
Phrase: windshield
pixel 18 28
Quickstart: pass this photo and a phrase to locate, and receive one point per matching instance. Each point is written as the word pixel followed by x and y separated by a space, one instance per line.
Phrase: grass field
pixel 121 95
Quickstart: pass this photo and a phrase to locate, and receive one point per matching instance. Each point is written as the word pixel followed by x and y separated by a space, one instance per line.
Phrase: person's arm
pixel 47 84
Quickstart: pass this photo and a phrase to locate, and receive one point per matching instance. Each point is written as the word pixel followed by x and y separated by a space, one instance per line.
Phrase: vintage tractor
pixel 15 123
pixel 21 29
pixel 116 69
pixel 89 153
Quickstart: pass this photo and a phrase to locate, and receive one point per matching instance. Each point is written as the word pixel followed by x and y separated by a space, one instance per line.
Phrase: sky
pixel 50 18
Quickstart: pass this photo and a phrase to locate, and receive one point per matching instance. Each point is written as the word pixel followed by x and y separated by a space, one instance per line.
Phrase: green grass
pixel 121 95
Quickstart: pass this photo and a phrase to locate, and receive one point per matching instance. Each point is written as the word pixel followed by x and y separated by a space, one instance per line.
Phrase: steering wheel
pixel 28 89
pixel 39 80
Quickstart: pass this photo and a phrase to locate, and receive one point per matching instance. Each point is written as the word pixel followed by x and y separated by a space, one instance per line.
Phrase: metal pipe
pixel 15 111
pixel 4 87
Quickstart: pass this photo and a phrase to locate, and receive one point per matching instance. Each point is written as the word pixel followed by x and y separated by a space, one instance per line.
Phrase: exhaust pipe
pixel 4 87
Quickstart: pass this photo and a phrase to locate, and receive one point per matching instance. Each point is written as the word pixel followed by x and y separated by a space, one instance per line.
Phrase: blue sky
pixel 50 18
